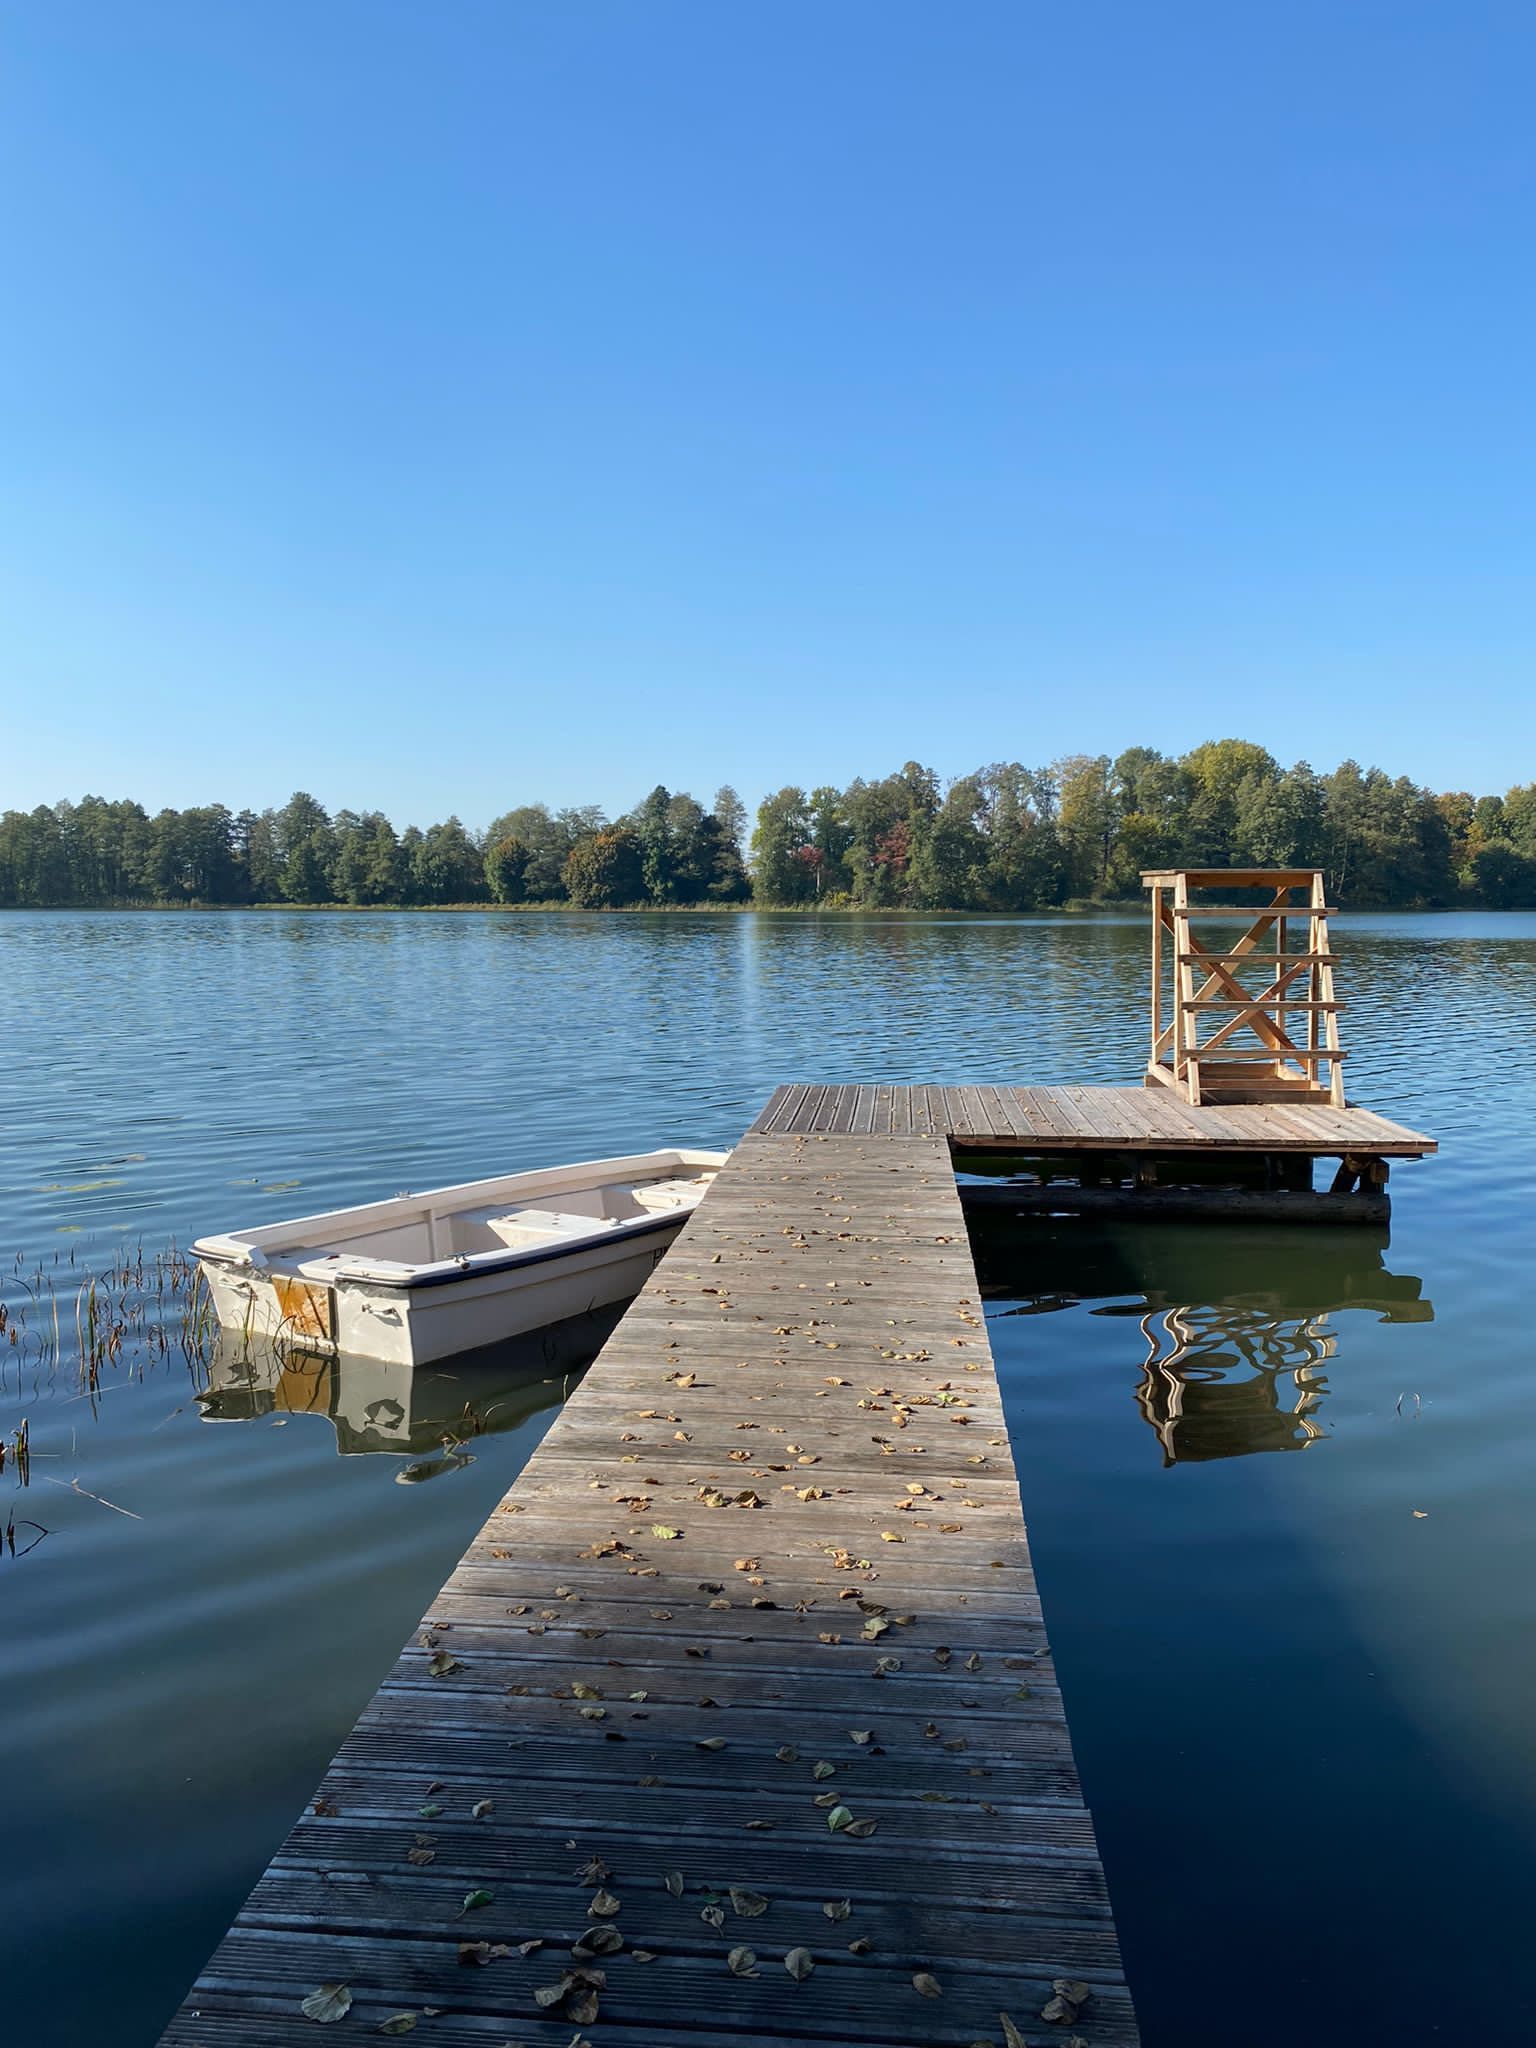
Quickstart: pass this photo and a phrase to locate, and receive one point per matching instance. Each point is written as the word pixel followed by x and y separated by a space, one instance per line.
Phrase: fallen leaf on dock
pixel 329 2003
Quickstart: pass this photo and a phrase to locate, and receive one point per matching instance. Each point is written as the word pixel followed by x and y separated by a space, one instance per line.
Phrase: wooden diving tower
pixel 1244 995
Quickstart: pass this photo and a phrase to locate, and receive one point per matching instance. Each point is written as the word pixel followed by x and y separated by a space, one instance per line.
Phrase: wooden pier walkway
pixel 1088 1119
pixel 737 1723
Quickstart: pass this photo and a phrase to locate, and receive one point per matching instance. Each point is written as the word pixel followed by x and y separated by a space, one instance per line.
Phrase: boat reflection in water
pixel 1239 1324
pixel 427 1414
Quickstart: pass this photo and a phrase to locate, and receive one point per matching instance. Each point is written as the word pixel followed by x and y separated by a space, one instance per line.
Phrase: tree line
pixel 1006 837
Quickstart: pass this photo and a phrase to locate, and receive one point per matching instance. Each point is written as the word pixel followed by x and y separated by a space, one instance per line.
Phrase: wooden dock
pixel 1127 1120
pixel 737 1723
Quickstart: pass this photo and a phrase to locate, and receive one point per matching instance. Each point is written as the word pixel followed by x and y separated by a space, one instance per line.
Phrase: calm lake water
pixel 1281 1485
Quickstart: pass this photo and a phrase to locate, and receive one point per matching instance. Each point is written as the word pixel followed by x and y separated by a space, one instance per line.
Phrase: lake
pixel 1279 1483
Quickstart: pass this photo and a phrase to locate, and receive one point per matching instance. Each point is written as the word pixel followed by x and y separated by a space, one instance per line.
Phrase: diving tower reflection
pixel 1240 1325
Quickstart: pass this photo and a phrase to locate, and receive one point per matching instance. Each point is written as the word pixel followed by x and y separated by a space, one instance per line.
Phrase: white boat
pixel 428 1276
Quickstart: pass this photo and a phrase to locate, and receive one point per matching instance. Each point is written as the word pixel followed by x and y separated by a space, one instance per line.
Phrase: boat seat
pixel 522 1228
pixel 668 1194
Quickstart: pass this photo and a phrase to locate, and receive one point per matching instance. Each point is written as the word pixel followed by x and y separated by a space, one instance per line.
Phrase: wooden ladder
pixel 1284 1065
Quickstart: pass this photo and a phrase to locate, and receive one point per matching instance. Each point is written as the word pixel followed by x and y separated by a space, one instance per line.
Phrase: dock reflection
pixel 428 1414
pixel 1239 1325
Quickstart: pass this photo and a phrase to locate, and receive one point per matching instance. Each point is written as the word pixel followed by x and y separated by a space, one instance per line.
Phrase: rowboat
pixel 428 1276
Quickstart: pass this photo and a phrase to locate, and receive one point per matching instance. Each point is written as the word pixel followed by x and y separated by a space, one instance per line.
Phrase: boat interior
pixel 431 1234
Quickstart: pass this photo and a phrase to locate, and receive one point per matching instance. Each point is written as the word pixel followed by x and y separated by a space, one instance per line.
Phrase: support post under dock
pixel 769 1561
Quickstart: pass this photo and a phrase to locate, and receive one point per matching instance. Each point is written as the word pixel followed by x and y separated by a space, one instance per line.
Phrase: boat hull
pixel 425 1277
pixel 416 1325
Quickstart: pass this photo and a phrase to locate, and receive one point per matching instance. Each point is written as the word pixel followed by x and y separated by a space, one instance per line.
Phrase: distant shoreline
pixel 1077 907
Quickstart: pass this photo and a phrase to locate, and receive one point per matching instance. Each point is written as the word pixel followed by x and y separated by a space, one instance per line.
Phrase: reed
pixel 140 1309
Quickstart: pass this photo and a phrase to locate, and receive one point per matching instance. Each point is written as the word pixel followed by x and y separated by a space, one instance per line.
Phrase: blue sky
pixel 445 406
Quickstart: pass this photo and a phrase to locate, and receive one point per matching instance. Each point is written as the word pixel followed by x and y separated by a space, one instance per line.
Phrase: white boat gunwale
pixel 246 1250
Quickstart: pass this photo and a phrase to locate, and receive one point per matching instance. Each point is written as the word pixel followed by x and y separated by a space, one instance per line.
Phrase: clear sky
pixel 446 404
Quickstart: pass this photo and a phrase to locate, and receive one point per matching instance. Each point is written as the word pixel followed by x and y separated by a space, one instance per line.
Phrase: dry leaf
pixel 1012 2038
pixel 838 1819
pixel 741 1962
pixel 713 1916
pixel 598 1941
pixel 329 2003
pixel 398 2023
pixel 837 1909
pixel 748 1904
pixel 861 1736
pixel 823 1770
pixel 481 1808
pixel 581 2006
pixel 442 1663
pixel 710 1742
pixel 666 1535
pixel 1070 1996
pixel 927 1986
pixel 603 1906
pixel 861 1830
pixel 799 1963
pixel 673 1880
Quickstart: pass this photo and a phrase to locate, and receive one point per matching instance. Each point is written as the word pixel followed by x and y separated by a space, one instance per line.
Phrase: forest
pixel 1006 837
